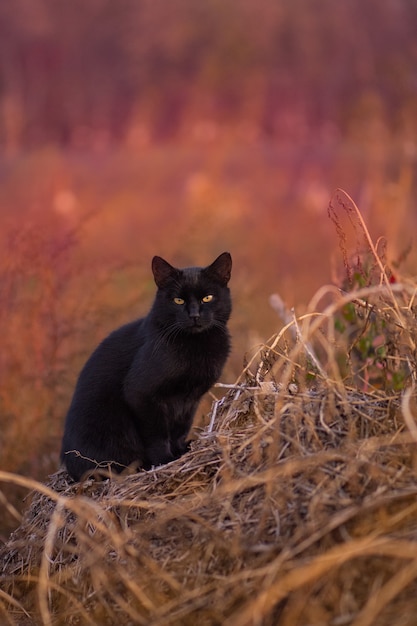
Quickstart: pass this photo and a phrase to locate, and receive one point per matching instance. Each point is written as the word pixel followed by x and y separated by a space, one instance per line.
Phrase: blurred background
pixel 184 128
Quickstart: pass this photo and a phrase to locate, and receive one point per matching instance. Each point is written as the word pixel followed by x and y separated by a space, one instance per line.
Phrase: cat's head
pixel 193 299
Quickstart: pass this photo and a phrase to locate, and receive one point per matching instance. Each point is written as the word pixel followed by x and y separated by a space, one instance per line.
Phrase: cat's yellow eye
pixel 207 299
pixel 179 301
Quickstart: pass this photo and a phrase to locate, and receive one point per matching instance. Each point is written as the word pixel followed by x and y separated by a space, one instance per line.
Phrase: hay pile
pixel 296 505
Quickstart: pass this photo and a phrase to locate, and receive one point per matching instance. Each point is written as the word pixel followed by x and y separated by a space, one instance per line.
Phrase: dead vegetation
pixel 296 504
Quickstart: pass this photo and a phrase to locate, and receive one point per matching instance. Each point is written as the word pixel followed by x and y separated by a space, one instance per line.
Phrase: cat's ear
pixel 162 271
pixel 221 268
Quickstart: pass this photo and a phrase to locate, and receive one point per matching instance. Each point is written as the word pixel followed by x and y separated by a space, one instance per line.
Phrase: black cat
pixel 137 394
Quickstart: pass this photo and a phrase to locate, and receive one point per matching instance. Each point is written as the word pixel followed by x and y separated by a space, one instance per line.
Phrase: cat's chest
pixel 190 363
pixel 175 372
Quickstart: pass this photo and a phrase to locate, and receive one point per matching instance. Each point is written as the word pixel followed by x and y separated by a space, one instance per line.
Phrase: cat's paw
pixel 180 447
pixel 159 453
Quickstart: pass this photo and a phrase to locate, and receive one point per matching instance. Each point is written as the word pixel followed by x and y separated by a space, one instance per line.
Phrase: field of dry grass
pixel 296 504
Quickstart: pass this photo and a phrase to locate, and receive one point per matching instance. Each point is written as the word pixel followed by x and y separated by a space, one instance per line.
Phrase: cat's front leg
pixel 179 430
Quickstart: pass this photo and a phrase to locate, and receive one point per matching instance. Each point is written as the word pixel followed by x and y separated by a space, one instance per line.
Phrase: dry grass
pixel 295 506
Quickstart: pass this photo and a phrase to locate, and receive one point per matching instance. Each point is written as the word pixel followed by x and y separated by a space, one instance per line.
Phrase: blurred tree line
pixel 83 71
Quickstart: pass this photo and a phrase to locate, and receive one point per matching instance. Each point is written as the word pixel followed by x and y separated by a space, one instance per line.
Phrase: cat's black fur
pixel 137 394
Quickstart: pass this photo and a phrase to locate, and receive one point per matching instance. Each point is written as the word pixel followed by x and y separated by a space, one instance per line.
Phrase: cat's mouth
pixel 196 327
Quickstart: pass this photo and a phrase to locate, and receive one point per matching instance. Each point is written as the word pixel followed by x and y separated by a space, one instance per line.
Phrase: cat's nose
pixel 194 312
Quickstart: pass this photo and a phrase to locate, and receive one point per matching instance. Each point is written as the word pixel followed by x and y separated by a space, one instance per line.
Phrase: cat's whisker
pixel 168 335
